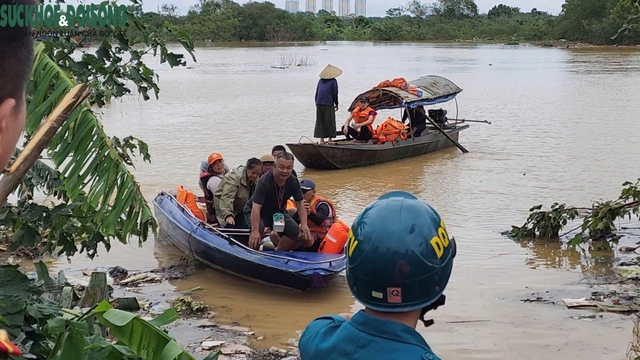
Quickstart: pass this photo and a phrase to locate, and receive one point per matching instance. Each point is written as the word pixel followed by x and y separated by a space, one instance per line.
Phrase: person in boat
pixel 268 162
pixel 209 181
pixel 204 165
pixel 320 212
pixel 363 117
pixel 417 120
pixel 326 103
pixel 277 150
pixel 270 198
pixel 234 190
pixel 399 261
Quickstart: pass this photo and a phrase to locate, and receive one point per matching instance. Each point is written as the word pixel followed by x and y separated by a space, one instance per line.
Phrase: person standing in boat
pixel 326 103
pixel 266 209
pixel 363 117
pixel 399 261
pixel 232 193
pixel 209 181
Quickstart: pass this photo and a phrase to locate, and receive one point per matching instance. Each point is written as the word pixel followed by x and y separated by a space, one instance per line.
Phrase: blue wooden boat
pixel 222 249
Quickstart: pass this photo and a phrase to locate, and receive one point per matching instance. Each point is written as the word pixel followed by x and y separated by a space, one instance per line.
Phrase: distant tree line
pixel 591 21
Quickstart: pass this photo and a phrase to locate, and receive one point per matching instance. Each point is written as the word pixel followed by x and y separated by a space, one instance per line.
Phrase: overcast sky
pixel 378 7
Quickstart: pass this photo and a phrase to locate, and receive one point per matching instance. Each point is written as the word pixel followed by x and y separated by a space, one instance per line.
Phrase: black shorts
pixel 291 229
pixel 312 248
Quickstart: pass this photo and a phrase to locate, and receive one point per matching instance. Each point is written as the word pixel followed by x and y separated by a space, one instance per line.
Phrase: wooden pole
pixel 41 139
pixel 447 135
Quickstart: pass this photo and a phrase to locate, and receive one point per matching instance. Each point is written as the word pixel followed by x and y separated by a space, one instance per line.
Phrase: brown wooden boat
pixel 442 133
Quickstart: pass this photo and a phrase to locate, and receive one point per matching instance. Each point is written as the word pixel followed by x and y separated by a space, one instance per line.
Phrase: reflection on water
pixel 593 261
pixel 564 129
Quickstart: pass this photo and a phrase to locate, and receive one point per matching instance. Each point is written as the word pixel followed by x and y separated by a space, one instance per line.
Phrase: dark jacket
pixel 327 92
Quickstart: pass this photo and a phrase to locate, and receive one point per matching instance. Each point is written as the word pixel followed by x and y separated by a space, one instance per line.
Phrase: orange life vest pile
pixel 188 199
pixel 391 130
pixel 402 84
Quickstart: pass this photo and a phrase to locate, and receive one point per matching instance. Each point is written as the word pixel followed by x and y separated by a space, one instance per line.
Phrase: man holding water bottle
pixel 266 209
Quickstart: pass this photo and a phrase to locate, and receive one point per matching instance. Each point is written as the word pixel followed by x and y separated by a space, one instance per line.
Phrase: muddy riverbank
pixel 196 330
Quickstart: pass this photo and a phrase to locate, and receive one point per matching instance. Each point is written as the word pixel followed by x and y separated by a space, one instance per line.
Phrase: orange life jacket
pixel 291 204
pixel 400 83
pixel 188 198
pixel 336 238
pixel 319 231
pixel 360 116
pixel 391 130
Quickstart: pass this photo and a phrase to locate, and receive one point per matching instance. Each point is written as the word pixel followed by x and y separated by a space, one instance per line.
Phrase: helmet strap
pixel 439 302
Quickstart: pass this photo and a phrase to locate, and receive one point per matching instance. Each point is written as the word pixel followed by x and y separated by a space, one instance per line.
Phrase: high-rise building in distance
pixel 343 7
pixel 310 6
pixel 291 6
pixel 361 8
pixel 327 5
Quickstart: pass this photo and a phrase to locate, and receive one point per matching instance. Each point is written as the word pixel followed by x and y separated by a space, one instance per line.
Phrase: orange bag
pixel 336 238
pixel 391 130
pixel 188 198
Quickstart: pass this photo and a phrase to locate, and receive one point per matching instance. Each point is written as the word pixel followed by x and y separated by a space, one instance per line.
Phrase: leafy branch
pixel 43 329
pixel 598 222
pixel 89 170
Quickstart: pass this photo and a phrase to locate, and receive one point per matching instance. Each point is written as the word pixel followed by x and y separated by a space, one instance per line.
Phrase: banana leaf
pixel 142 337
pixel 90 168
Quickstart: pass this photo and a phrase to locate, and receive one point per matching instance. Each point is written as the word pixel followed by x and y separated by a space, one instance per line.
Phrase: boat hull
pixel 345 156
pixel 294 270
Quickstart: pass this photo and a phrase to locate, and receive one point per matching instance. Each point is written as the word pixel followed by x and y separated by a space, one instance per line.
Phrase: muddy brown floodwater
pixel 564 129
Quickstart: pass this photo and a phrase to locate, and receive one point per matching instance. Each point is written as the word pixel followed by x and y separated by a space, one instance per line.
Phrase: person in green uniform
pixel 399 260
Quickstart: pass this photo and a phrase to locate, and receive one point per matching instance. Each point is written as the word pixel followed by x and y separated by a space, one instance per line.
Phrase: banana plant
pixel 35 321
pixel 85 156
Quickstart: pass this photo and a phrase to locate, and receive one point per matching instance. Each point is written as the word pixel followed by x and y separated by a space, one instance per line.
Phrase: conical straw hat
pixel 330 72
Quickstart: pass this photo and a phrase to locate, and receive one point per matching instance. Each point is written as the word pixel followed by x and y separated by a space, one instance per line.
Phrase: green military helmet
pixel 399 254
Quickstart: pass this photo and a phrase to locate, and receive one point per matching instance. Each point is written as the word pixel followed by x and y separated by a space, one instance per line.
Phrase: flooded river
pixel 565 128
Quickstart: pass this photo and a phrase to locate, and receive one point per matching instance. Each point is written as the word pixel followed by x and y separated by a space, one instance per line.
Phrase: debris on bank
pixel 617 291
pixel 196 330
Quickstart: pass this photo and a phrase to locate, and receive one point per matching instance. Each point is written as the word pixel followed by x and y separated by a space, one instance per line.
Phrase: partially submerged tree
pixel 598 221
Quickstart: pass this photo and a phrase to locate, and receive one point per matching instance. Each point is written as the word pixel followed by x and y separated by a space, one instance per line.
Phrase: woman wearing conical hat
pixel 327 103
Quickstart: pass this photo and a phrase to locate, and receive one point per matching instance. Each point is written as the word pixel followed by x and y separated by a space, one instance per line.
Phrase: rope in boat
pixel 304 136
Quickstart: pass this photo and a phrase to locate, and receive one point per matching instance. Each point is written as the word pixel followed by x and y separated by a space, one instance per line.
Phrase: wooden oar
pixel 475 121
pixel 447 135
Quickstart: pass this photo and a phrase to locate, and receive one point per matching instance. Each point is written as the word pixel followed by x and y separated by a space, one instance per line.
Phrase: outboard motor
pixel 439 116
